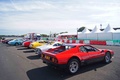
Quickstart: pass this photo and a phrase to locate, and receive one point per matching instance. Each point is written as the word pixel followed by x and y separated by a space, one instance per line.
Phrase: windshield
pixel 14 40
pixel 49 43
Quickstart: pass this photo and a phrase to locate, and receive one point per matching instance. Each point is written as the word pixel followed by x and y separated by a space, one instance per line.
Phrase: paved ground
pixel 19 63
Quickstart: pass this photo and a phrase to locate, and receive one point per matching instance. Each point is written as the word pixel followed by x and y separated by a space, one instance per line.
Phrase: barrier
pixel 109 43
pixel 68 41
pixel 86 42
pixel 58 40
pixel 73 41
pixel 116 42
pixel 62 41
pixel 81 41
pixel 101 42
pixel 93 42
pixel 77 41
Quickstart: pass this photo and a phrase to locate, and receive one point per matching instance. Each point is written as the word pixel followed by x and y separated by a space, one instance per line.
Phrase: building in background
pixel 32 36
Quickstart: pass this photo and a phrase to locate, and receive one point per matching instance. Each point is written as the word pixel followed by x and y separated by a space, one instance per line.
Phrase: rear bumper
pixel 54 64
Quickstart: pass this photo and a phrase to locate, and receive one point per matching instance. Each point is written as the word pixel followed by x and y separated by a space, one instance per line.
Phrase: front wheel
pixel 73 66
pixel 107 58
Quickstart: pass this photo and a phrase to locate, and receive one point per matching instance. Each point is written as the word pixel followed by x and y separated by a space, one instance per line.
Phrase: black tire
pixel 28 47
pixel 16 44
pixel 39 53
pixel 107 58
pixel 73 66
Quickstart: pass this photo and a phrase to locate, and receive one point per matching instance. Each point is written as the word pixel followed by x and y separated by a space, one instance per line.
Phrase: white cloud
pixel 45 16
pixel 25 6
pixel 6 7
pixel 36 5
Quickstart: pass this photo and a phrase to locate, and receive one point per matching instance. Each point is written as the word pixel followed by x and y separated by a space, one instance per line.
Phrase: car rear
pixel 49 59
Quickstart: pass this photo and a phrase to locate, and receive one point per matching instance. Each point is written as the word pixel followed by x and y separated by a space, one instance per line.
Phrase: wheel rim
pixel 73 67
pixel 107 58
pixel 16 44
pixel 38 51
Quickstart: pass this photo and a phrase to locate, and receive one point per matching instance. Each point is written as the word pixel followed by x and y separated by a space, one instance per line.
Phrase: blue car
pixel 15 42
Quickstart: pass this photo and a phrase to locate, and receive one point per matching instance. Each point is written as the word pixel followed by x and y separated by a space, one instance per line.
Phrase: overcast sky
pixel 45 16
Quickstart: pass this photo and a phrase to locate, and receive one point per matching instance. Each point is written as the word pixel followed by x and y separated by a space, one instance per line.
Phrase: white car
pixel 40 49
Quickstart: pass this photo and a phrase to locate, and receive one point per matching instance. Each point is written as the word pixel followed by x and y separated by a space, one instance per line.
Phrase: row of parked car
pixel 38 46
pixel 66 56
pixel 41 45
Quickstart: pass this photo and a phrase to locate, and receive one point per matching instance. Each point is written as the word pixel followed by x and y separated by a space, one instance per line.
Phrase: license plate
pixel 47 57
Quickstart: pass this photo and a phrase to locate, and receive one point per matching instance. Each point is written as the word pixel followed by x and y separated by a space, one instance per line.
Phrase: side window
pixel 90 49
pixel 82 49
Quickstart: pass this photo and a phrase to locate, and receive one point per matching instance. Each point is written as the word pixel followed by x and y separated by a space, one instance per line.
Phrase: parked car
pixel 15 42
pixel 33 45
pixel 3 40
pixel 50 45
pixel 72 56
pixel 27 43
pixel 7 40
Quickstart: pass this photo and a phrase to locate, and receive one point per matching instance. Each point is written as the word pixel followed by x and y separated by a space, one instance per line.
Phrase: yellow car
pixel 33 45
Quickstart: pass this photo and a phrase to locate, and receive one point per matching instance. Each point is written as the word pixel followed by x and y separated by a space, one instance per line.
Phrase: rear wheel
pixel 107 57
pixel 16 44
pixel 73 66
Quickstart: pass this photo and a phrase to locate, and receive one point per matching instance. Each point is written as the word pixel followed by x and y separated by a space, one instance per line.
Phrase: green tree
pixel 63 32
pixel 44 35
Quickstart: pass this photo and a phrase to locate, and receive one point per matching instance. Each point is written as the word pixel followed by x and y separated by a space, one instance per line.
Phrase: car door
pixel 83 54
pixel 94 54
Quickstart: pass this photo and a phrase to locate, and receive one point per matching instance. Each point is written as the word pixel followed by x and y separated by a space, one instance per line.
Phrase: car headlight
pixel 54 60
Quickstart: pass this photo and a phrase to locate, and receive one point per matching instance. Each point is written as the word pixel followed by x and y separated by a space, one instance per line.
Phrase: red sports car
pixel 72 56
pixel 27 43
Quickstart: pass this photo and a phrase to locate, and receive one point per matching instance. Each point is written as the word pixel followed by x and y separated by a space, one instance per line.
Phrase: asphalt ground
pixel 20 63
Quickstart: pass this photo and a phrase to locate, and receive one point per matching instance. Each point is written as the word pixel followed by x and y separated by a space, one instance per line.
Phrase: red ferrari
pixel 27 43
pixel 72 56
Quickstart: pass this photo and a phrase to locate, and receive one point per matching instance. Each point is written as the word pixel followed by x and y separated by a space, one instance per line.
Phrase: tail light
pixel 42 55
pixel 54 60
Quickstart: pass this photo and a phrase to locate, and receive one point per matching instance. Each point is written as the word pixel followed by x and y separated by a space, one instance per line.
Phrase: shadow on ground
pixel 8 45
pixel 22 48
pixel 29 51
pixel 19 46
pixel 33 57
pixel 48 73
